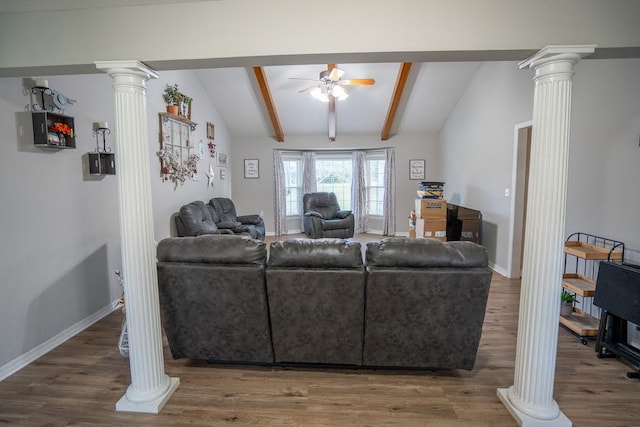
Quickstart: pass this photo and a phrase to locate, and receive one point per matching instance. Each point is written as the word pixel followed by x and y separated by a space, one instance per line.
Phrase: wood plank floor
pixel 79 383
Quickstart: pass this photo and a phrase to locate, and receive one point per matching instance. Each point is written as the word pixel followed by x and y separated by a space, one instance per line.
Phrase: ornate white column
pixel 150 387
pixel 530 398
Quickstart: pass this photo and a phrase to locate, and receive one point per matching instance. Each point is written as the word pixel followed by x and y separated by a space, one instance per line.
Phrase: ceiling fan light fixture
pixel 320 93
pixel 338 92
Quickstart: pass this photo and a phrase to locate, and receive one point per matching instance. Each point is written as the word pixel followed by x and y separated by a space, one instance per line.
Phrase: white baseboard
pixel 40 350
pixel 501 271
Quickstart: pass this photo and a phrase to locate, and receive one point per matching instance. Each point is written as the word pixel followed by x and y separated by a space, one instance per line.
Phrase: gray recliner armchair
pixel 324 218
pixel 195 219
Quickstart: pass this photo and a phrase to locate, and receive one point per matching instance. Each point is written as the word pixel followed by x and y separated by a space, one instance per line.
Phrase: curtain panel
pixel 280 196
pixel 359 196
pixel 389 224
pixel 309 184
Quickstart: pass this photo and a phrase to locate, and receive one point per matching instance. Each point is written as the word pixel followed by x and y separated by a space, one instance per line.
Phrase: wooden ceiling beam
pixel 269 104
pixel 401 81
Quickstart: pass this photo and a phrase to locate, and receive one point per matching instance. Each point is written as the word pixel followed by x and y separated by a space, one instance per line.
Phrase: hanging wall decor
pixel 102 161
pixel 177 161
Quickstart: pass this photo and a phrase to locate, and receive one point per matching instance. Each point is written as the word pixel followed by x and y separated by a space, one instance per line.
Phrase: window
pixel 375 184
pixel 293 179
pixel 333 174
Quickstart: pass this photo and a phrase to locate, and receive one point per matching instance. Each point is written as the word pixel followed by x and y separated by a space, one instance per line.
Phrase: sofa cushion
pixel 315 253
pixel 212 249
pixel 403 252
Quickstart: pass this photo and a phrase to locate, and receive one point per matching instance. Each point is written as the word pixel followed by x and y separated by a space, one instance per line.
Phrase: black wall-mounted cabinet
pixel 102 164
pixel 43 137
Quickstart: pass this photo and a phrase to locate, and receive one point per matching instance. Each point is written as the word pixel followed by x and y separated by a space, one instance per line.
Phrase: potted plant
pixel 171 97
pixel 567 299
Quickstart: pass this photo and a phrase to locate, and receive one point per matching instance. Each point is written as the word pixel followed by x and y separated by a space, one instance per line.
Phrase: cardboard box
pixel 431 209
pixel 432 229
pixel 412 234
pixel 470 230
pixel 466 213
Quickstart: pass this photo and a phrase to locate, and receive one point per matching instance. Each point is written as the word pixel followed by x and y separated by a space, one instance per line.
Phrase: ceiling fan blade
pixel 335 74
pixel 307 90
pixel 357 82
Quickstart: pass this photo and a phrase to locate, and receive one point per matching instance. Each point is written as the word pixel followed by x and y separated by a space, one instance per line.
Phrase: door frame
pixel 517 211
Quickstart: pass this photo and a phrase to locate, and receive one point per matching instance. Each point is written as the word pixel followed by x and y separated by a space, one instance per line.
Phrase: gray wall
pixel 60 226
pixel 256 195
pixel 477 147
pixel 478 142
pixel 604 156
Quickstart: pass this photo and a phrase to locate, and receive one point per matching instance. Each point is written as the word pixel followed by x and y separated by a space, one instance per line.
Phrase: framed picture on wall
pixel 416 169
pixel 222 159
pixel 251 169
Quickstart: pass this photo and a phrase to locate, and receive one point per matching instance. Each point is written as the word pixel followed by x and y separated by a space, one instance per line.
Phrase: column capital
pixel 571 53
pixel 127 66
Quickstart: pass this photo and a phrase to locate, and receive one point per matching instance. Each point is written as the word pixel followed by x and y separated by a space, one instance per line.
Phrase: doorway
pixel 520 184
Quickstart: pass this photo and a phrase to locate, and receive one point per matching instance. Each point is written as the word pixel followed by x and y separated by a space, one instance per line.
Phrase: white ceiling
pixel 431 93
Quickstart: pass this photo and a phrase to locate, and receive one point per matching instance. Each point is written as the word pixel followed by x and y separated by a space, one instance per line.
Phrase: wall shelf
pixel 42 137
pixel 182 119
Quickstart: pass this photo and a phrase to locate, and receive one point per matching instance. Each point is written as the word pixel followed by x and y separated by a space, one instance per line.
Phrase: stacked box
pixel 432 229
pixel 431 208
pixel 432 219
pixel 470 224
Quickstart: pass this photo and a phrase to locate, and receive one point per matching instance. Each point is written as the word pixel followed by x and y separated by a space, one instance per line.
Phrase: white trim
pixel 512 211
pixel 501 271
pixel 40 350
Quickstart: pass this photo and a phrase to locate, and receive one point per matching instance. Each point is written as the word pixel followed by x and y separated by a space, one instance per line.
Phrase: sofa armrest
pixel 313 213
pixel 343 214
pixel 228 225
pixel 249 219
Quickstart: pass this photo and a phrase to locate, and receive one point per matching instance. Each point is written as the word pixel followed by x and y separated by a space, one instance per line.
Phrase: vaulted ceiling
pixel 422 105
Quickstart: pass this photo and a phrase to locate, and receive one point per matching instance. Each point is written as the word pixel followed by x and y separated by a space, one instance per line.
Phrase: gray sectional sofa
pixel 411 303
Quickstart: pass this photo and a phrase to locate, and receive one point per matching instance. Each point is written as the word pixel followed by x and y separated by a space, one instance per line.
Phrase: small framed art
pixel 251 169
pixel 222 159
pixel 416 169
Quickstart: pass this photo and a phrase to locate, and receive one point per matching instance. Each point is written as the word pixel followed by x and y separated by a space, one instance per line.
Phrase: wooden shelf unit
pixel 581 323
pixel 588 251
pixel 579 284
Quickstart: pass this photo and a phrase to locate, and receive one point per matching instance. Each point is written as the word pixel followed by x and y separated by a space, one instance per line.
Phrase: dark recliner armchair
pixel 227 219
pixel 324 218
pixel 195 219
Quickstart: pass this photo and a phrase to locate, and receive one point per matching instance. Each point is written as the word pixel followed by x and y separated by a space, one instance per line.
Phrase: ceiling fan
pixel 331 86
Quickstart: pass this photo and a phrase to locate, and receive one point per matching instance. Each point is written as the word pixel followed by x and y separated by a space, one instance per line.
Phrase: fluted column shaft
pixel 150 387
pixel 532 391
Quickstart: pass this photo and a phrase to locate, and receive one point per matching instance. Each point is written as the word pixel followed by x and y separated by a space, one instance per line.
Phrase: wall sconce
pixel 41 95
pixel 102 161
